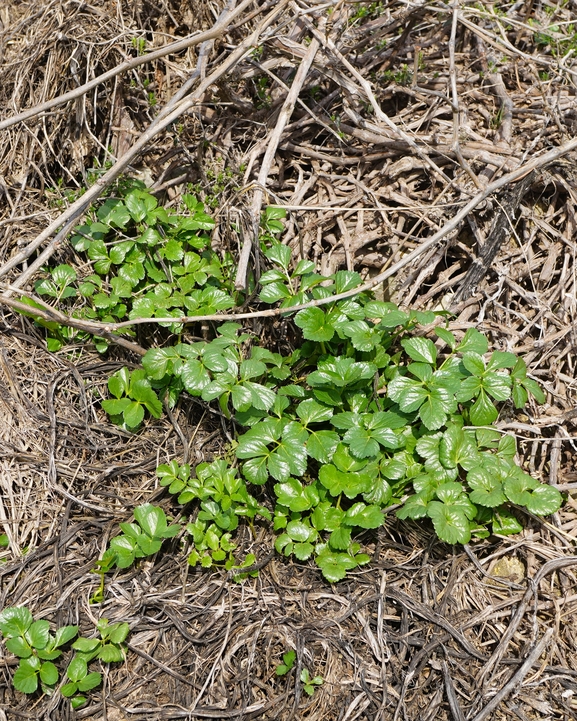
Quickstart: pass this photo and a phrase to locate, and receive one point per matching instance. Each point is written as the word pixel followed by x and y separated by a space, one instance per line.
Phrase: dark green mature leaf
pixel 49 673
pixel 19 647
pixel 437 406
pixel 483 412
pixel 38 634
pixel 321 445
pixel 544 500
pixel 450 522
pixel 334 566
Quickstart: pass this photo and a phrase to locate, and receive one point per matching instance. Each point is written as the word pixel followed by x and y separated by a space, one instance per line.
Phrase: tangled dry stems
pixel 403 115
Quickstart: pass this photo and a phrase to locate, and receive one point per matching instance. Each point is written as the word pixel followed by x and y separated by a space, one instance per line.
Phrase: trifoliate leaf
pixel 335 565
pixel 487 490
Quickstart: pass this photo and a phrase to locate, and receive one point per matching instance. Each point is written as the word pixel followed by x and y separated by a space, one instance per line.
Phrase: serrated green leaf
pixel 133 413
pixel 446 336
pixel 334 566
pixel 483 412
pixel 314 325
pixel 544 500
pixel 26 677
pixel 38 634
pixel 340 539
pixel 364 516
pixel 501 359
pixel 473 342
pixel 298 531
pixel 450 523
pixel 15 621
pixel 77 669
pixel 346 280
pixel 474 363
pixel 422 350
pixel 90 681
pixel 497 386
pixel 487 489
pixel 19 647
pixel 303 551
pixel 152 519
pixel 109 653
pixel 49 673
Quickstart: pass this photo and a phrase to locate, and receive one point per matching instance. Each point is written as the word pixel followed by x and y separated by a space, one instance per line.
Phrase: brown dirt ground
pixel 426 631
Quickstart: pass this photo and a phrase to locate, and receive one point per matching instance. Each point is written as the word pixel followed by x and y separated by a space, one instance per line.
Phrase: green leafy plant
pixel 36 647
pixel 372 411
pixel 140 539
pixel 310 683
pixel 288 659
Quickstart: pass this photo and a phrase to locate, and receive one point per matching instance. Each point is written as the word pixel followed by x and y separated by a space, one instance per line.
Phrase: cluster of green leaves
pixel 367 414
pixel 145 262
pixel 37 648
pixel 310 683
pixel 223 498
pixel 140 539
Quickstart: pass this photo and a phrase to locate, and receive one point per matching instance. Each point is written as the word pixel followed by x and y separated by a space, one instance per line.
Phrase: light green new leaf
pixel 314 325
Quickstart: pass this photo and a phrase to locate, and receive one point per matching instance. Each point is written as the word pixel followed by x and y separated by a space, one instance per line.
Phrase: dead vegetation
pixel 429 146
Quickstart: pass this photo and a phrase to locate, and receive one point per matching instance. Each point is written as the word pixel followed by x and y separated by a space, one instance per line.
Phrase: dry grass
pixel 426 631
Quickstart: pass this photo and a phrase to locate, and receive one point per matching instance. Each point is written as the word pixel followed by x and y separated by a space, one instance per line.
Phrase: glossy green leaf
pixel 422 350
pixel 451 524
pixel 314 325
